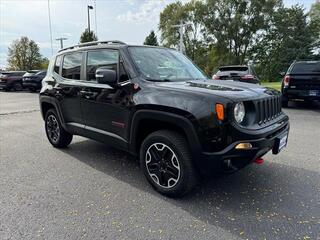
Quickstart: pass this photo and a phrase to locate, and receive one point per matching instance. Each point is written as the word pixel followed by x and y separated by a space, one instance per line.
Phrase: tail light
pixel 247 76
pixel 215 77
pixel 286 81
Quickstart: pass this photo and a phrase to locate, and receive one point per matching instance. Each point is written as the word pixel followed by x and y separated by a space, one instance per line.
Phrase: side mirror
pixel 106 76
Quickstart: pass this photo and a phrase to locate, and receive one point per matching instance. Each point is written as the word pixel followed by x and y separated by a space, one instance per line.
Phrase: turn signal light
pixel 220 111
pixel 244 146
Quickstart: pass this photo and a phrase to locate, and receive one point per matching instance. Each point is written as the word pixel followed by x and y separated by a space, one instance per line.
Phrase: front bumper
pixel 239 158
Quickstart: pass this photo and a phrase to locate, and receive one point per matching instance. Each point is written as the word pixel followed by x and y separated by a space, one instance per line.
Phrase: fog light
pixel 243 146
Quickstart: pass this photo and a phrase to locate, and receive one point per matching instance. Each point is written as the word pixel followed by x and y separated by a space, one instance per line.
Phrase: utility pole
pixel 61 41
pixel 181 28
pixel 50 28
pixel 89 7
pixel 95 17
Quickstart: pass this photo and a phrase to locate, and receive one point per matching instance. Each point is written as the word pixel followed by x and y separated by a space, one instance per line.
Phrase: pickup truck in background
pixel 302 81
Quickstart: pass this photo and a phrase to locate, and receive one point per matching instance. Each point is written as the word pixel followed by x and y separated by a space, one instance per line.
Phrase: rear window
pixel 231 69
pixel 306 67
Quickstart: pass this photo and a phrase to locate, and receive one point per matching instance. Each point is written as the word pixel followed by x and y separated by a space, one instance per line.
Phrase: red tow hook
pixel 259 161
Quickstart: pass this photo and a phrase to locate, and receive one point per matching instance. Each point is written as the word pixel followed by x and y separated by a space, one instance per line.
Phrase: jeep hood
pixel 237 91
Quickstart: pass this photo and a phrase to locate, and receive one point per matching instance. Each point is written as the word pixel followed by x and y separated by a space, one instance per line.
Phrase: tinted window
pixel 71 66
pixel 235 68
pixel 57 64
pixel 233 71
pixel 306 67
pixel 104 58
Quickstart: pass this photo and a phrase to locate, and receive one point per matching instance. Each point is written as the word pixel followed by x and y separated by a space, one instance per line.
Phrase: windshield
pixel 161 64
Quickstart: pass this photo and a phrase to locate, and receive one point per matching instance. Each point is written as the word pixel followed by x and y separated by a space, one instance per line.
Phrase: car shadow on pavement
pixel 269 201
pixel 305 105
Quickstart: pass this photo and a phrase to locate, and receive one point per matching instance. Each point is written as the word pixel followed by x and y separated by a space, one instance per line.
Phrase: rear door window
pixel 71 67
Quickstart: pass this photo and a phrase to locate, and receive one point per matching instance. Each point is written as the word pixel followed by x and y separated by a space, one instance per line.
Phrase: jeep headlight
pixel 239 112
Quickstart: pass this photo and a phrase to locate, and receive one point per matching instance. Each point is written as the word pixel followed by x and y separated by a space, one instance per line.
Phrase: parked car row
pixel 19 80
pixel 300 82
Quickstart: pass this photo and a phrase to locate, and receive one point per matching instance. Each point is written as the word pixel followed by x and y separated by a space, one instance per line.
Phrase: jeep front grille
pixel 268 109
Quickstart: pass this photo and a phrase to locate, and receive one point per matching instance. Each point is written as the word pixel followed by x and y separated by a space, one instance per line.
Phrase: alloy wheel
pixel 162 165
pixel 53 128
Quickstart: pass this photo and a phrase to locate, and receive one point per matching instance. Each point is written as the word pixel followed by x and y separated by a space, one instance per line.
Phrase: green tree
pixel 193 39
pixel 87 36
pixel 288 38
pixel 24 54
pixel 151 39
pixel 314 16
pixel 234 25
pixel 227 29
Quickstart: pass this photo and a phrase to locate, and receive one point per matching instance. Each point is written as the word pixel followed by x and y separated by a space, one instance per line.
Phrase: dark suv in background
pixel 239 73
pixel 11 80
pixel 32 79
pixel 302 81
pixel 156 104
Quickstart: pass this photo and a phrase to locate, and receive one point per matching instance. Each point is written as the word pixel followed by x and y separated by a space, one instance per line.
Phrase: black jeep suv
pixel 302 81
pixel 156 104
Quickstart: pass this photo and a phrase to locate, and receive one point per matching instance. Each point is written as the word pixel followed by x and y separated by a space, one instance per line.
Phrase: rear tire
pixel 17 87
pixel 166 162
pixel 56 135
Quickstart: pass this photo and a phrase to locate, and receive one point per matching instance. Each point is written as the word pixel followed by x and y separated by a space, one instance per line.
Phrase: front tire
pixel 56 135
pixel 17 87
pixel 166 162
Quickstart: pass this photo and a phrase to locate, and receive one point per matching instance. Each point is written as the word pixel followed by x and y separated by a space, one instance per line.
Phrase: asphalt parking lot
pixel 91 191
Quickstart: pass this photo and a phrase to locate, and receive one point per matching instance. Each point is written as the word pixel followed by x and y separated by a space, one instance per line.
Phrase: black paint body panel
pixel 118 114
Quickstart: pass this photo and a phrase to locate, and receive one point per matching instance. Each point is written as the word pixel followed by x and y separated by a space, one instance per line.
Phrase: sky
pixel 126 20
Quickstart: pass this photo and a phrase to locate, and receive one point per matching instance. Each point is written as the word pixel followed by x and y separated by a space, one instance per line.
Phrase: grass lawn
pixel 276 85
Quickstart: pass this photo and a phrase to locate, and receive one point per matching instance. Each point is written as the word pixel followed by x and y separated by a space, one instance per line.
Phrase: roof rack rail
pixel 93 44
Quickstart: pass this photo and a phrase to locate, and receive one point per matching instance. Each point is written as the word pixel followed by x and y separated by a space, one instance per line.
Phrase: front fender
pixel 187 125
